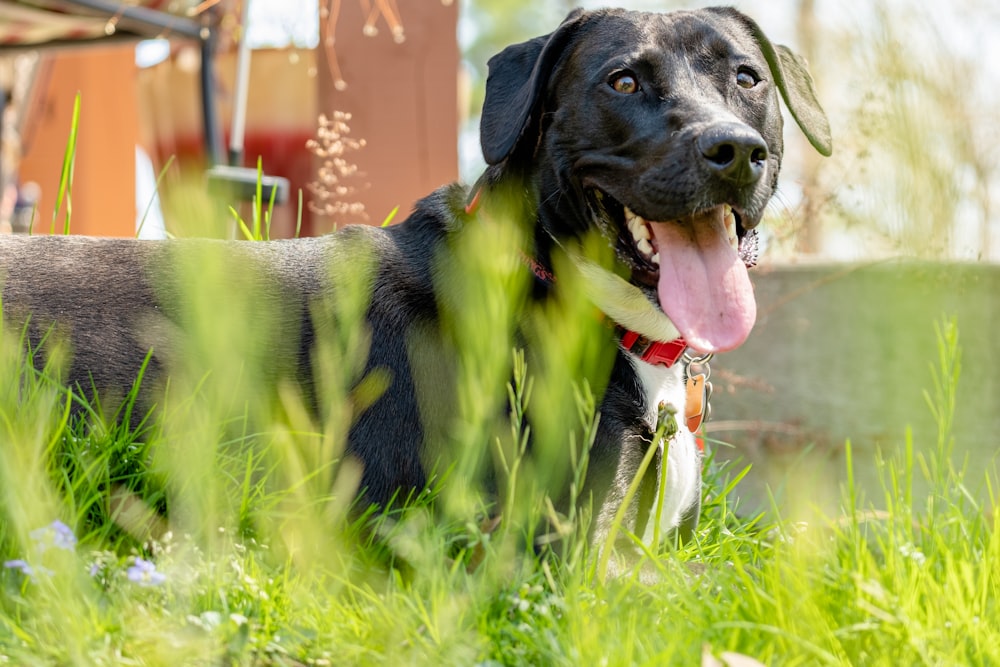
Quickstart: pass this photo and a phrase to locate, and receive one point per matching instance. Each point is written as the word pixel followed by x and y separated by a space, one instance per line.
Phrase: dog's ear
pixel 795 83
pixel 796 86
pixel 515 89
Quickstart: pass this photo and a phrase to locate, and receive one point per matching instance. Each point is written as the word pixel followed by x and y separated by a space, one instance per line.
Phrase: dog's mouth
pixel 636 238
pixel 694 267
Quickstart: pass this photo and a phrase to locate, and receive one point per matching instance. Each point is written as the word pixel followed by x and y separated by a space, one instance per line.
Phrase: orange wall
pixel 103 192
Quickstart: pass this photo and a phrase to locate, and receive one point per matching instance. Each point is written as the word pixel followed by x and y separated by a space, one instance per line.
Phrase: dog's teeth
pixel 641 233
pixel 655 259
pixel 729 218
pixel 637 226
pixel 640 230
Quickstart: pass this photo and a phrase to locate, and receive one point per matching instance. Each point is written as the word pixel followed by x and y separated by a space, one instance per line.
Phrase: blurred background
pixel 366 105
pixel 907 85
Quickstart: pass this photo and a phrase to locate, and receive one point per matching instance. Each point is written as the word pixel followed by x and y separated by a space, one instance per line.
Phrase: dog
pixel 661 133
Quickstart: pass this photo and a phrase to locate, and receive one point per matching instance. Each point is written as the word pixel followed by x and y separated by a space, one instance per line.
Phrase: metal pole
pixel 151 17
pixel 213 136
pixel 238 129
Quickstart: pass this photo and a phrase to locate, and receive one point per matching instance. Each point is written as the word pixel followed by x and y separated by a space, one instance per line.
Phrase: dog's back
pixel 113 300
pixel 121 307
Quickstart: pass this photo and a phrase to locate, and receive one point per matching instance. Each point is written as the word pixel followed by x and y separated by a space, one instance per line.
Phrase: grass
pixel 66 175
pixel 221 532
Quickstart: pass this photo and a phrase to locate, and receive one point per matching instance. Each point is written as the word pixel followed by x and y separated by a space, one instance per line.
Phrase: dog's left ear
pixel 796 86
pixel 515 88
pixel 792 77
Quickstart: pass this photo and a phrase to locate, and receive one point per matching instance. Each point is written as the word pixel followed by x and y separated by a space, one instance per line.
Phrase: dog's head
pixel 664 132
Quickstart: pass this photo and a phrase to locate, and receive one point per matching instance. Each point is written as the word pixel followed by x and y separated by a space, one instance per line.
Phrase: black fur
pixel 553 129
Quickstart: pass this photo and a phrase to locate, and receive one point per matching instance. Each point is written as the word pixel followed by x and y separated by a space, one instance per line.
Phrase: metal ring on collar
pixel 697 361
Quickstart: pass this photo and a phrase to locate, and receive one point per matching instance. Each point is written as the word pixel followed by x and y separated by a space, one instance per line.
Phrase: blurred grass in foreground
pixel 221 534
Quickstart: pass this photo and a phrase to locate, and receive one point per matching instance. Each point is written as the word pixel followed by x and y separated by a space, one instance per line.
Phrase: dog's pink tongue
pixel 704 287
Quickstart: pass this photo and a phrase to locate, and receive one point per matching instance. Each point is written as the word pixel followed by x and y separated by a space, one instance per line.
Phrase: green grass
pixel 236 504
pixel 220 532
pixel 66 175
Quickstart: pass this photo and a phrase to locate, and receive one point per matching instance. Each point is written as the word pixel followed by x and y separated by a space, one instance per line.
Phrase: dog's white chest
pixel 661 386
pixel 665 387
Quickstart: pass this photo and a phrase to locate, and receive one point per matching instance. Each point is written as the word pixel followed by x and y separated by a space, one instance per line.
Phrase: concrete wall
pixel 845 352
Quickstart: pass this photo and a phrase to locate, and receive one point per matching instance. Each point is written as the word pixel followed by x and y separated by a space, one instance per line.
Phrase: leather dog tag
pixel 696 402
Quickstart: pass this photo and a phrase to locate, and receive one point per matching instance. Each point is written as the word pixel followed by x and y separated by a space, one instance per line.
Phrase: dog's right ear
pixel 515 89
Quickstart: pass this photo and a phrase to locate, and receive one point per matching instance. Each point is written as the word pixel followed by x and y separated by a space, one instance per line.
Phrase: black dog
pixel 662 132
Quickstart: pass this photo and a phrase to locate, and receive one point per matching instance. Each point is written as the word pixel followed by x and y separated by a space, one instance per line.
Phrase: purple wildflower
pixel 56 534
pixel 26 568
pixel 144 573
pixel 21 565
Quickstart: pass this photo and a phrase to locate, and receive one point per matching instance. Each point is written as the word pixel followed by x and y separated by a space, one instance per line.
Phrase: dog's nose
pixel 736 152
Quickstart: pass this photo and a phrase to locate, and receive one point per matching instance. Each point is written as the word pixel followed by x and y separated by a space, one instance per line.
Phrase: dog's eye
pixel 625 83
pixel 746 77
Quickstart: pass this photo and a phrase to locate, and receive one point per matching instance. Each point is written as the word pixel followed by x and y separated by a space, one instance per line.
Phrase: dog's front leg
pixel 644 475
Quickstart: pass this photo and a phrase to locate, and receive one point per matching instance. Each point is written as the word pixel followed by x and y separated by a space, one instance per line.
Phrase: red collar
pixel 652 352
pixel 472 206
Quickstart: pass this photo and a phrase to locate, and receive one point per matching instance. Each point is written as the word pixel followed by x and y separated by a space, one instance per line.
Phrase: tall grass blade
pixel 154 200
pixel 66 175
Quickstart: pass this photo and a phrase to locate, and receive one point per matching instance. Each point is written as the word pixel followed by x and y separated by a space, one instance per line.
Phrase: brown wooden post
pixel 402 98
pixel 810 235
